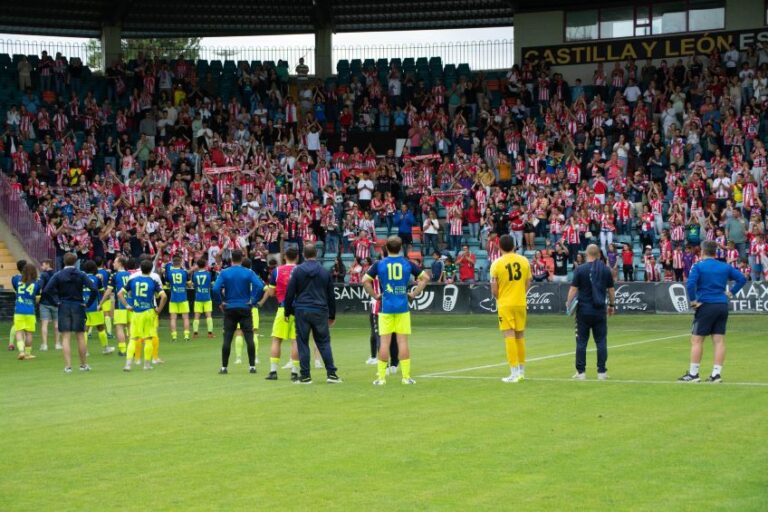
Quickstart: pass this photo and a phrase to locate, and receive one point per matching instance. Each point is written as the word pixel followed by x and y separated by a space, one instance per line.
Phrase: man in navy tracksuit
pixel 311 301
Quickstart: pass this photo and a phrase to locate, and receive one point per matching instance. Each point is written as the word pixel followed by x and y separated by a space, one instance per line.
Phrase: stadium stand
pixel 177 156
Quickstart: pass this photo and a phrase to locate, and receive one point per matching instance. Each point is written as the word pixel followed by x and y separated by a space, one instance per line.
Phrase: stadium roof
pixel 187 18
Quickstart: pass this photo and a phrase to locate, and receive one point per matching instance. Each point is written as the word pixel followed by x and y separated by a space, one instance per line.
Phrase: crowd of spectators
pixel 664 153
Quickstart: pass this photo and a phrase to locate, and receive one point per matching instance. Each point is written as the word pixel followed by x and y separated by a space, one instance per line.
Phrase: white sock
pixel 521 369
pixel 513 371
pixel 694 369
pixel 273 367
pixel 716 370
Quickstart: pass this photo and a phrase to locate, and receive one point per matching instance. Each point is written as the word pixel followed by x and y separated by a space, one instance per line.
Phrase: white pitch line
pixel 552 356
pixel 616 381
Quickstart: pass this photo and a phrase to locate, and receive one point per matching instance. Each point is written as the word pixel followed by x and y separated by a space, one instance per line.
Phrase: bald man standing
pixel 592 283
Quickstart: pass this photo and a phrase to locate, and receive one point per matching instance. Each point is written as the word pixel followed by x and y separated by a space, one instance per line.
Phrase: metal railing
pixel 16 214
pixel 490 54
pixel 289 54
pixel 67 48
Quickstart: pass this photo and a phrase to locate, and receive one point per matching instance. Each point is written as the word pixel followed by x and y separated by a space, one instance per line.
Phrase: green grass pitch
pixel 184 438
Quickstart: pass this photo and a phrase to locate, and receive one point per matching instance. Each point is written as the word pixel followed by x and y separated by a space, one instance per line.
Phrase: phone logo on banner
pixel 679 297
pixel 450 296
pixel 423 301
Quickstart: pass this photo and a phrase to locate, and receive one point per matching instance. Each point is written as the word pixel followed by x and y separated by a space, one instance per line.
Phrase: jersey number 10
pixel 394 271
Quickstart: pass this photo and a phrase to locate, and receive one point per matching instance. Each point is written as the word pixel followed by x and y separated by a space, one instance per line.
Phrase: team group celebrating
pixel 79 299
pixel 76 299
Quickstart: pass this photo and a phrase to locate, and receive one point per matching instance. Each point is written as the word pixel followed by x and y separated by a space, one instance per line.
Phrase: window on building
pixel 668 18
pixel 581 25
pixel 617 22
pixel 645 18
pixel 706 15
pixel 642 21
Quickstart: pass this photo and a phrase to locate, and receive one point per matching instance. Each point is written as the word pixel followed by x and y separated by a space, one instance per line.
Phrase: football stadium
pixel 366 254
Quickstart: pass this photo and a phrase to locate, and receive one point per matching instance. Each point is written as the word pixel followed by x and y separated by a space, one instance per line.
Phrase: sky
pixel 499 57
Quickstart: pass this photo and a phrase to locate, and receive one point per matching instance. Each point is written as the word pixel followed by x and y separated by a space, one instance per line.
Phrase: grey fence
pixel 490 54
pixel 14 210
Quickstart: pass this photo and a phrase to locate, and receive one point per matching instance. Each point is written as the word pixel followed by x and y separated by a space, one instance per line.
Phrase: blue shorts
pixel 710 319
pixel 71 317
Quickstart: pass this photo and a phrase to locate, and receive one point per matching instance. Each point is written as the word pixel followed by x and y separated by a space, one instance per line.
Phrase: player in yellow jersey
pixel 510 279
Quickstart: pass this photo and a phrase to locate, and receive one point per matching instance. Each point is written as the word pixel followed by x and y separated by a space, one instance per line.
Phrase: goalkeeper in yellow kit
pixel 510 278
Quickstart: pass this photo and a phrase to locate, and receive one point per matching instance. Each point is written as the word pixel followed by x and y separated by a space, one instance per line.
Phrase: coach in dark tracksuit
pixel 591 283
pixel 311 301
pixel 65 288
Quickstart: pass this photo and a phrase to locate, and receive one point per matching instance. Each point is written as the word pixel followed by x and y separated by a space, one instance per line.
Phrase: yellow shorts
pixel 395 323
pixel 285 330
pixel 255 318
pixel 179 308
pixel 203 307
pixel 24 323
pixel 94 318
pixel 512 318
pixel 106 306
pixel 122 317
pixel 143 324
pixel 157 321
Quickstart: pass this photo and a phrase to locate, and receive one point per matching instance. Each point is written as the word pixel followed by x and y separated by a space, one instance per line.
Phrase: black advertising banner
pixel 673 298
pixel 436 298
pixel 631 298
pixel 542 298
pixel 641 48
pixel 635 298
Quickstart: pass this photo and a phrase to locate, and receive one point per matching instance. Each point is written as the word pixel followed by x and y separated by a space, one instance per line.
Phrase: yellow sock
pixel 382 370
pixel 131 350
pixel 174 335
pixel 511 348
pixel 148 347
pixel 108 323
pixel 121 346
pixel 405 367
pixel 209 324
pixel 28 350
pixel 186 335
pixel 138 350
pixel 520 342
pixel 12 337
pixel 195 326
pixel 256 342
pixel 20 346
pixel 238 346
pixel 103 338
pixel 155 347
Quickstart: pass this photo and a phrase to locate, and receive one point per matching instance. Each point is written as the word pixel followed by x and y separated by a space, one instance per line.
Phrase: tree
pixel 161 48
